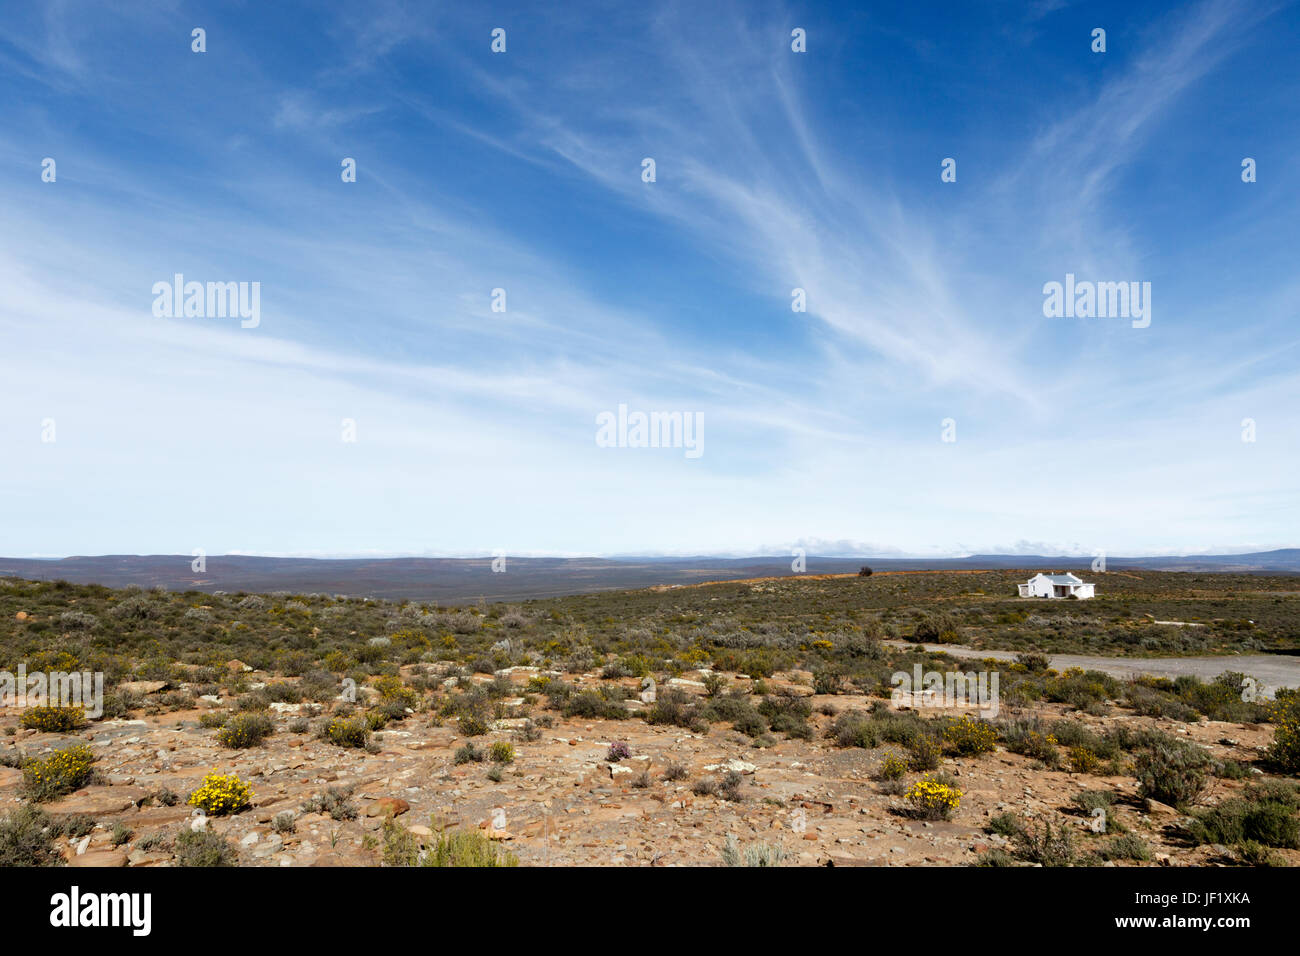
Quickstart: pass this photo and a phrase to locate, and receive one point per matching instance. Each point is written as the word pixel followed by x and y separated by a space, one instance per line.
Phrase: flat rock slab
pixel 161 816
pixel 98 801
pixel 142 686
pixel 100 858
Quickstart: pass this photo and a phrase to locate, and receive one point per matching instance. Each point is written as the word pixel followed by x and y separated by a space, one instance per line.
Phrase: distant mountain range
pixel 462 580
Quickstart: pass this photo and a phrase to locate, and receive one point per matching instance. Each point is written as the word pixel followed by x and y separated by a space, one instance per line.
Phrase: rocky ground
pixel 561 802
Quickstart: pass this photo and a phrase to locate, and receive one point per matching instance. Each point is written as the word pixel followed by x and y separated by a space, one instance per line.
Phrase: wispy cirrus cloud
pixel 522 172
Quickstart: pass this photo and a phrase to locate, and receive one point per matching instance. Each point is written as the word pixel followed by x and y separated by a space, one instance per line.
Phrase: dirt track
pixel 1271 670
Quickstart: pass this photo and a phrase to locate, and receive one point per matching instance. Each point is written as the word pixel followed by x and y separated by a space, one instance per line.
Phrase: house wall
pixel 1039 587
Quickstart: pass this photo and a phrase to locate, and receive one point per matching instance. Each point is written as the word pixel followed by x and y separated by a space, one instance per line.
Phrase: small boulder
pixel 142 686
pixel 388 807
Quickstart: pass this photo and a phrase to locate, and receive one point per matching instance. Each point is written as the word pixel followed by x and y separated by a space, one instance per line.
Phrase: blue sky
pixel 475 430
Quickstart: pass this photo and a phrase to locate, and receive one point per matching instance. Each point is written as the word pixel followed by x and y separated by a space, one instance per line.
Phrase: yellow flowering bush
pixel 220 794
pixel 695 655
pixel 391 689
pixel 932 799
pixel 57 720
pixel 58 773
pixel 1083 760
pixel 970 736
pixel 1285 751
pixel 63 771
pixel 245 730
pixel 337 661
pixel 892 767
pixel 346 731
pixel 53 661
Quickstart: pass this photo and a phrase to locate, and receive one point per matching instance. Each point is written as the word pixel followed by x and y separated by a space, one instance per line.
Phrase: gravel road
pixel 1271 670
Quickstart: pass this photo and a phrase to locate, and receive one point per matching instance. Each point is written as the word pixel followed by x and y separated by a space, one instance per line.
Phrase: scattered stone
pixel 100 858
pixel 387 807
pixel 142 686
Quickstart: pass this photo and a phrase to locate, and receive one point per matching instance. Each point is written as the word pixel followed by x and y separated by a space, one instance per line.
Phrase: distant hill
pixel 1283 560
pixel 462 580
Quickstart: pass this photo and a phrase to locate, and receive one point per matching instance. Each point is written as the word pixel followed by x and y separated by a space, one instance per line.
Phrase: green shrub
pixel 1172 773
pixel 1081 689
pixel 471 725
pixel 674 707
pixel 1256 854
pixel 1233 821
pixel 704 787
pixel 1034 662
pixel 1089 800
pixel 1031 738
pixel 1230 770
pixel 1040 844
pixel 924 753
pixel 729 787
pixel 204 848
pixel 936 627
pixel 346 732
pixel 468 754
pixel 756 854
pixel 466 848
pixel 674 772
pixel 590 704
pixel 853 728
pixel 27 838
pixel 400 847
pixel 245 730
pixel 739 712
pixel 77 825
pixel 1007 824
pixel 336 801
pixel 1126 847
pixel 787 715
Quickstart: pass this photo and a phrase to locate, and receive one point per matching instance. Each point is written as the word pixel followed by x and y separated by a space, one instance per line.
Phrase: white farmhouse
pixel 1055 586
